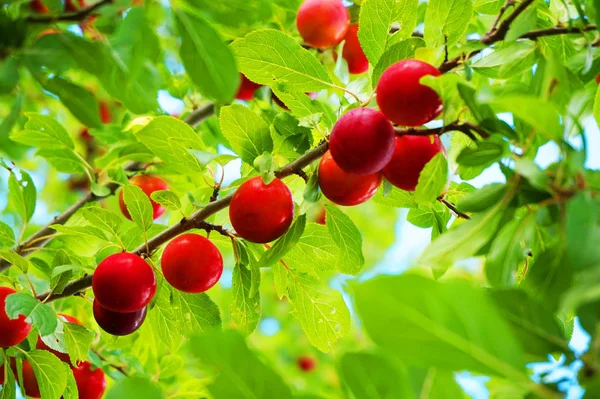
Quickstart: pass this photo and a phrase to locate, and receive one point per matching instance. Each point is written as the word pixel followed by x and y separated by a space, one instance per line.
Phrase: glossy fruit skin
pixel 411 154
pixel 12 332
pixel 148 184
pixel 118 323
pixel 353 52
pixel 322 23
pixel 306 363
pixel 91 384
pixel 192 263
pixel 404 100
pixel 277 100
pixel 1 375
pixel 62 356
pixel 261 213
pixel 124 283
pixel 247 88
pixel 362 141
pixel 29 383
pixel 345 188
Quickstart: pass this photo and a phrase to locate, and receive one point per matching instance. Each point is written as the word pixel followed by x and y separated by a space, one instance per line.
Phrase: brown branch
pixel 208 227
pixel 200 114
pixel 38 237
pixel 557 30
pixel 70 17
pixel 497 34
pixel 463 127
pixel 194 221
pixel 453 208
pixel 302 174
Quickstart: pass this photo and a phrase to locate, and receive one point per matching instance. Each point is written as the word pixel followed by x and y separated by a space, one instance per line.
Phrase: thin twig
pixel 497 34
pixel 70 17
pixel 453 208
pixel 117 367
pixel 302 174
pixel 194 221
pixel 208 227
pixel 557 30
pixel 463 127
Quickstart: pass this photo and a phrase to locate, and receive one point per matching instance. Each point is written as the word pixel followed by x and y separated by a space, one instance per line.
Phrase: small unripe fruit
pixel 70 6
pixel 353 52
pixel 322 23
pixel 597 79
pixel 12 332
pixel 321 217
pixel 124 283
pixel 118 323
pixel 261 212
pixel 105 114
pixel 62 356
pixel 191 263
pixel 91 384
pixel 411 154
pixel 345 188
pixel 247 88
pixel 306 363
pixel 404 100
pixel 38 7
pixel 362 141
pixel 148 184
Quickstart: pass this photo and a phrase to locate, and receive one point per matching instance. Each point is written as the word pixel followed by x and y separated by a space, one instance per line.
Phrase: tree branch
pixel 193 119
pixel 463 127
pixel 197 220
pixel 557 30
pixel 453 208
pixel 497 34
pixel 70 17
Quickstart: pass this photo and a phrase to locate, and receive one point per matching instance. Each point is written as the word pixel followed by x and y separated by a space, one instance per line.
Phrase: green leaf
pixel 316 251
pixel 247 133
pixel 597 104
pixel 508 61
pixel 82 231
pixel 103 219
pixel 548 277
pixel 249 378
pixel 396 199
pixel 71 391
pixel 40 315
pixel 284 244
pixel 375 19
pixel 480 111
pixel 165 321
pixel 9 74
pixel 265 55
pixel 532 323
pixel 167 199
pixel 198 311
pixel 170 139
pixel 244 309
pixel 135 387
pixel 43 132
pixel 7 236
pixel 482 199
pixel 423 322
pixel 207 59
pixel 508 250
pixel 432 180
pixel 321 311
pixel 463 241
pixel 532 172
pixel 403 50
pixel 488 7
pixel 348 239
pixel 583 231
pixel 139 206
pixel 22 194
pixel 525 22
pixel 15 259
pixel 78 341
pixel 9 390
pixel 82 103
pixel 265 166
pixel 537 113
pixel 288 126
pixel 446 21
pixel 374 376
pixel 50 373
pixel 63 161
pixel 485 154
